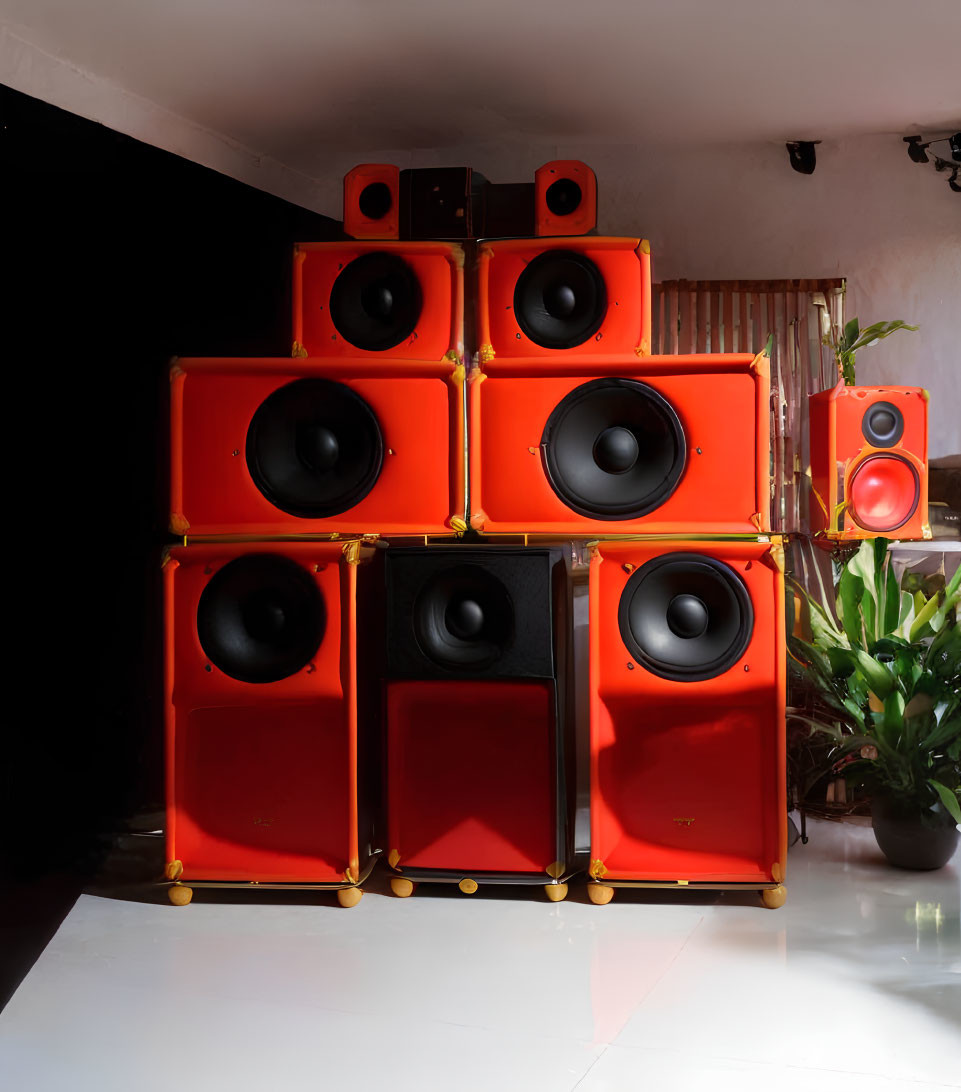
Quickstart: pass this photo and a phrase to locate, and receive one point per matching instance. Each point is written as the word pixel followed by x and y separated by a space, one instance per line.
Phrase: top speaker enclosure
pixel 562 297
pixel 372 300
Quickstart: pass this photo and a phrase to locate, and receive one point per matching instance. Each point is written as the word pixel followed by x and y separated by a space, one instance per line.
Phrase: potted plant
pixel 846 343
pixel 886 667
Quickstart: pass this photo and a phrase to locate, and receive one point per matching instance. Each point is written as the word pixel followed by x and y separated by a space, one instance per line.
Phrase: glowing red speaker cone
pixel 884 492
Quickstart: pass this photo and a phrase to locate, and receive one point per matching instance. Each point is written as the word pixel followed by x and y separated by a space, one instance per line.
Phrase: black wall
pixel 116 256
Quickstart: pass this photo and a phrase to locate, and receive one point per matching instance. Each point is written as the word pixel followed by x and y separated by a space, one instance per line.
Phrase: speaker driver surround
pixel 261 618
pixel 614 449
pixel 882 424
pixel 560 299
pixel 685 617
pixel 463 618
pixel 376 301
pixel 314 448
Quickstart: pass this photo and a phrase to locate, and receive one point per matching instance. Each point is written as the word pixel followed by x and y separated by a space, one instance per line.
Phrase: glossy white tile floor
pixel 855 984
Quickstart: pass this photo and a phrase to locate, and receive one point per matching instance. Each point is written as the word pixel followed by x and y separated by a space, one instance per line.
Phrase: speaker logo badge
pixel 684 822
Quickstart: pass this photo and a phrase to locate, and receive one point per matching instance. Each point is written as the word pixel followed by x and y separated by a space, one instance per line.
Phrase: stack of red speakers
pixel 506 613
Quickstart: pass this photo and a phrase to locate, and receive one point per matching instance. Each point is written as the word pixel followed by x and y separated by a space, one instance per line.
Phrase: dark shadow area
pixel 116 257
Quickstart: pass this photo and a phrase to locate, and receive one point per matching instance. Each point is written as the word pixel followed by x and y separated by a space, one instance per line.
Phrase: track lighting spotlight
pixel 955 141
pixel 801 154
pixel 916 149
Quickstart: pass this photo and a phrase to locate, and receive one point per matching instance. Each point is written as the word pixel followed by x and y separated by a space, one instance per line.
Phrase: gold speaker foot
pixel 599 893
pixel 180 895
pixel 401 887
pixel 556 892
pixel 349 896
pixel 773 897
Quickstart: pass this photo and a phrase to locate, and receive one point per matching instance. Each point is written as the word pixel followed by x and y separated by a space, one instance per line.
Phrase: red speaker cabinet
pixel 264 737
pixel 372 201
pixel 478 737
pixel 622 445
pixel 299 446
pixel 687 678
pixel 565 198
pixel 570 297
pixel 869 462
pixel 377 300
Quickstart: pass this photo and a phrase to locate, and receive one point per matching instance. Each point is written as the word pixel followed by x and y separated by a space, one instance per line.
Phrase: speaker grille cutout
pixel 560 299
pixel 376 301
pixel 686 617
pixel 261 618
pixel 314 448
pixel 614 449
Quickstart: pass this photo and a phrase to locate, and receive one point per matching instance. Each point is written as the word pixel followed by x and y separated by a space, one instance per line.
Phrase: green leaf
pixel 922 618
pixel 905 615
pixel 850 334
pixel 849 606
pixel 875 333
pixel 948 798
pixel 862 565
pixel 877 676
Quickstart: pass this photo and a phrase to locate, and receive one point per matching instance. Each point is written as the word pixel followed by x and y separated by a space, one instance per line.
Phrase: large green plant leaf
pixel 878 678
pixel 870 335
pixel 863 565
pixel 948 798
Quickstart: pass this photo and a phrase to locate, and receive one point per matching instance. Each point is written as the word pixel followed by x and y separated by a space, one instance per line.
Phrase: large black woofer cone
pixel 376 302
pixel 560 299
pixel 314 448
pixel 882 424
pixel 614 449
pixel 686 617
pixel 261 618
pixel 463 618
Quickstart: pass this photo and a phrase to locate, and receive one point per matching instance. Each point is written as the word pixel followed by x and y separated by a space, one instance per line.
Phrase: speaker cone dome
pixel 261 618
pixel 614 449
pixel 463 618
pixel 375 303
pixel 560 299
pixel 314 448
pixel 686 617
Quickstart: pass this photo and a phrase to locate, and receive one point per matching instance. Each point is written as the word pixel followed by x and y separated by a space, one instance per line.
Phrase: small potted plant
pixel 852 338
pixel 886 667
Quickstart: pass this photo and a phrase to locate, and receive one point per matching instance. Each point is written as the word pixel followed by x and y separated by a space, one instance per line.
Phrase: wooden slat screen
pixel 737 317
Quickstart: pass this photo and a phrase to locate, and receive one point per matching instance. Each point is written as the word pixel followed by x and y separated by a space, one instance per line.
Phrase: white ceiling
pixel 288 94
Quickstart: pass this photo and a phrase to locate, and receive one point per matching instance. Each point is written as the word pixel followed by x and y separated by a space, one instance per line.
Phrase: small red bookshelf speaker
pixel 300 446
pixel 869 462
pixel 687 713
pixel 478 745
pixel 622 445
pixel 379 299
pixel 565 198
pixel 568 297
pixel 265 740
pixel 372 201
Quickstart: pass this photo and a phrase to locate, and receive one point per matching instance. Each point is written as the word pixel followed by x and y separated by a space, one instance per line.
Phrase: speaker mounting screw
pixel 311 669
pixel 698 450
pixel 630 667
pixel 628 567
pixel 207 667
pixel 747 667
pixel 518 336
pixel 235 452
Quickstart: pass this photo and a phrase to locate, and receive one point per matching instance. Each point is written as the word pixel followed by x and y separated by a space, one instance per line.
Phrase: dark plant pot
pixel 913 837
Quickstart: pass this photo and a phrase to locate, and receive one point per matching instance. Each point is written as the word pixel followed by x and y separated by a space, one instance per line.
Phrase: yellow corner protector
pixel 486 354
pixel 349 876
pixel 555 870
pixel 645 247
pixel 597 869
pixel 458 524
pixel 298 350
pixel 926 531
pixel 644 349
pixel 392 858
pixel 174 870
pixel 178 525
